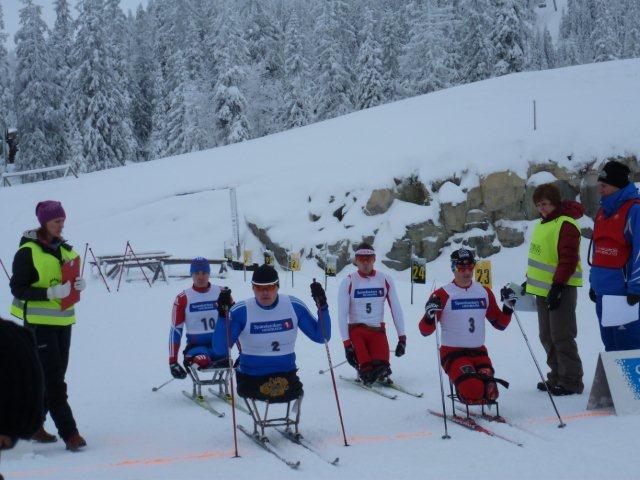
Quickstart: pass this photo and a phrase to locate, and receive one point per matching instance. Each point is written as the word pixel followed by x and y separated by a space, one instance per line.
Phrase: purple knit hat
pixel 49 210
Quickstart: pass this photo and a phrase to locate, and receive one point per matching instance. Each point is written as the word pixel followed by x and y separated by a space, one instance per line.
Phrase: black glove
pixel 633 299
pixel 592 295
pixel 177 371
pixel 402 345
pixel 508 297
pixel 318 295
pixel 350 353
pixel 222 362
pixel 225 302
pixel 523 288
pixel 431 308
pixel 554 297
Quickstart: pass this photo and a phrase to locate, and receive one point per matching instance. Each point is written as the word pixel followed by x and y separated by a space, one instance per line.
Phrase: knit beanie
pixel 615 173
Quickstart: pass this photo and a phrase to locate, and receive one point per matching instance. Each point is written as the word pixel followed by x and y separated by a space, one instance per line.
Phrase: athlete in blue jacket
pixel 615 262
pixel 266 328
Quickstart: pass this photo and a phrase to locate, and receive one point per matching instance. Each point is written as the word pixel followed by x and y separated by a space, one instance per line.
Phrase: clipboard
pixel 70 271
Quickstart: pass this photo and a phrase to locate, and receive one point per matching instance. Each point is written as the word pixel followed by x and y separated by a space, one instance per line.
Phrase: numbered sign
pixel 247 257
pixel 294 261
pixel 483 273
pixel 228 253
pixel 419 270
pixel 268 257
pixel 331 266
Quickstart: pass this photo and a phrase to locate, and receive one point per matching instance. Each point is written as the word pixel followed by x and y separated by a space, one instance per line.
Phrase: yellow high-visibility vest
pixel 543 257
pixel 49 268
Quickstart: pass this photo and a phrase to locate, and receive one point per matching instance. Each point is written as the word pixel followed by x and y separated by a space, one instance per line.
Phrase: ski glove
pixel 554 297
pixel 225 302
pixel 350 353
pixel 633 299
pixel 222 362
pixel 177 371
pixel 318 295
pixel 592 295
pixel 431 308
pixel 508 297
pixel 59 291
pixel 402 345
pixel 523 288
pixel 80 284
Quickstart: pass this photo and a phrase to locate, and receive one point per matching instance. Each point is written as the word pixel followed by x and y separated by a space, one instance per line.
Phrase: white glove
pixel 80 284
pixel 59 291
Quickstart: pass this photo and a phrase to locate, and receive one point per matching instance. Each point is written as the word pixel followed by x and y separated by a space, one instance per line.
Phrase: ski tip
pixel 294 465
pixel 335 461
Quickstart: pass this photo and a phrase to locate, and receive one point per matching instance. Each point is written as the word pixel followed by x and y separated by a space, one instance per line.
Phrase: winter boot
pixel 560 391
pixel 75 442
pixel 42 436
pixel 490 388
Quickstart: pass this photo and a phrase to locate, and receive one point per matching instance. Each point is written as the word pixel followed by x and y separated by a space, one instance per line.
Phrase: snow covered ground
pixel 119 345
pixel 119 353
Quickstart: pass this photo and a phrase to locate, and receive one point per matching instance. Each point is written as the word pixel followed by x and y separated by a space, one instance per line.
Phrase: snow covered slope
pixel 119 345
pixel 584 113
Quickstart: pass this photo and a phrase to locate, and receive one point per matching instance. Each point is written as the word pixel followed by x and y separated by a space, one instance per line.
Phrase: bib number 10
pixel 208 324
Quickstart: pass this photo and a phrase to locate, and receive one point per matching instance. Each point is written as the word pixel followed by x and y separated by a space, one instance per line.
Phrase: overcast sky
pixel 11 9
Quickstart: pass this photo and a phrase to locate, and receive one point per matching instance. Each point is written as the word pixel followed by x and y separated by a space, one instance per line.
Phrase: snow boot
pixel 75 442
pixel 42 436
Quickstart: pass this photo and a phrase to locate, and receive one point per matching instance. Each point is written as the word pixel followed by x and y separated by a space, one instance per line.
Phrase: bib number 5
pixel 367 307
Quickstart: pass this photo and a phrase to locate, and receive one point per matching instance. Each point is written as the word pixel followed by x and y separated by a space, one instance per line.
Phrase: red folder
pixel 71 271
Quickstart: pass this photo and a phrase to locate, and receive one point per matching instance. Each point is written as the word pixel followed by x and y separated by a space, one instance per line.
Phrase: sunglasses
pixel 464 267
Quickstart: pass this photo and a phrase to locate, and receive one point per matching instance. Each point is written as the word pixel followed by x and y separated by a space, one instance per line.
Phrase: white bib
pixel 368 295
pixel 270 332
pixel 201 312
pixel 463 316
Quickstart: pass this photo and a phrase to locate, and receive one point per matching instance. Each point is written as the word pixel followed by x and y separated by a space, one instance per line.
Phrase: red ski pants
pixel 370 343
pixel 461 364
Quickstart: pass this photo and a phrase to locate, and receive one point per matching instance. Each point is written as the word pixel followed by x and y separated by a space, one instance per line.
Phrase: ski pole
pixel 5 271
pixel 444 409
pixel 227 322
pixel 155 389
pixel 321 372
pixel 138 262
pixel 124 259
pixel 84 258
pixel 333 376
pixel 562 424
pixel 99 269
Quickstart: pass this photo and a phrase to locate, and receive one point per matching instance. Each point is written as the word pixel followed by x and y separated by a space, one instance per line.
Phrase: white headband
pixel 365 251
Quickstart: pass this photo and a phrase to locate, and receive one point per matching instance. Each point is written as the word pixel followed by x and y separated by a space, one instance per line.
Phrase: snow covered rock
pixel 510 234
pixel 477 218
pixel 427 239
pixel 412 190
pixel 453 207
pixel 379 201
pixel 502 195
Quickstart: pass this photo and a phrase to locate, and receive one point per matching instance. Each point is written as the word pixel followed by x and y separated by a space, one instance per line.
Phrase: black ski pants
pixel 53 350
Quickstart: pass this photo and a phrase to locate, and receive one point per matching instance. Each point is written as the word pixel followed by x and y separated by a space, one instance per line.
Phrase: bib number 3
pixel 472 325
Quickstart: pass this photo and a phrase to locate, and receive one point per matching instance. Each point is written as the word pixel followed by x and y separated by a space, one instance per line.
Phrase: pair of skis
pixel 380 388
pixel 470 423
pixel 263 443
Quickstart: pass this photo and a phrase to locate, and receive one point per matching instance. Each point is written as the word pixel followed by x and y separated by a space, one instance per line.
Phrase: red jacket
pixel 569 241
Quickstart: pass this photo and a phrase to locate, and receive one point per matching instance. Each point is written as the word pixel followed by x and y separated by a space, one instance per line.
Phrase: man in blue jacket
pixel 615 263
pixel 266 327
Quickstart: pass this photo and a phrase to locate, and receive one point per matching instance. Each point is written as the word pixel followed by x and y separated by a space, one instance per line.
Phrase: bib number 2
pixel 275 346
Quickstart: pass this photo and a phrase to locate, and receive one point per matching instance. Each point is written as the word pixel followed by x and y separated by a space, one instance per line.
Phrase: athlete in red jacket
pixel 461 307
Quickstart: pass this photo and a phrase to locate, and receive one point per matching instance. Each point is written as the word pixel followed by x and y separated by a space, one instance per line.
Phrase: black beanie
pixel 264 275
pixel 21 382
pixel 615 173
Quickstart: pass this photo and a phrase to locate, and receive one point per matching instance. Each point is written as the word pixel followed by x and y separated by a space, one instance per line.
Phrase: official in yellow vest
pixel 553 275
pixel 38 292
